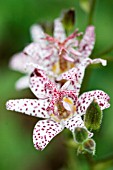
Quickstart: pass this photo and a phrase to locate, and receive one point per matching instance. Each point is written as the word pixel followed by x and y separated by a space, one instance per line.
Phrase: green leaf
pixel 93 116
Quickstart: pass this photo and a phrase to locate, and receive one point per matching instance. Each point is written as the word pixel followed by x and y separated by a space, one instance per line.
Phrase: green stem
pixel 91 12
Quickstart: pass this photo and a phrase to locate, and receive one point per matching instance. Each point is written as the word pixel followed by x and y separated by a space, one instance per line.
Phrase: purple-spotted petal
pixel 40 85
pixel 87 43
pixel 34 50
pixel 37 83
pixel 41 56
pixel 44 132
pixel 76 74
pixel 74 122
pixel 59 32
pixel 31 107
pixel 19 61
pixel 86 98
pixel 22 83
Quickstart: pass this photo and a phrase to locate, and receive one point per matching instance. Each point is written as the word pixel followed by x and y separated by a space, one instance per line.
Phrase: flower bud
pixel 80 134
pixel 68 19
pixel 93 116
pixel 89 146
pixel 47 27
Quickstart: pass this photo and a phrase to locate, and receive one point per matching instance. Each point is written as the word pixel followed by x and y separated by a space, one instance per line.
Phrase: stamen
pixel 63 109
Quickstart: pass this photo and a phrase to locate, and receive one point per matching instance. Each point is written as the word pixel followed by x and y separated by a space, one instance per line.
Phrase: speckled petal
pixel 33 50
pixel 40 85
pixel 44 132
pixel 19 61
pixel 86 98
pixel 87 43
pixel 76 74
pixel 31 107
pixel 74 122
pixel 41 56
pixel 59 32
pixel 22 83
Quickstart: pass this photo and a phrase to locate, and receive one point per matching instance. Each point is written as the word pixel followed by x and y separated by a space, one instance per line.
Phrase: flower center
pixel 62 65
pixel 63 109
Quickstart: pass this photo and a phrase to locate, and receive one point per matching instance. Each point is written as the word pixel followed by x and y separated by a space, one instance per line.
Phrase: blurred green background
pixel 16 148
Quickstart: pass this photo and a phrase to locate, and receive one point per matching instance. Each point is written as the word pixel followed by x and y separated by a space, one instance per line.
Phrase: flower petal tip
pixel 104 62
pixel 9 105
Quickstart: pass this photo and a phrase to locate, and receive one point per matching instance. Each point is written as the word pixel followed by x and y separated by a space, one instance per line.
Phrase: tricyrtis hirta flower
pixel 54 54
pixel 62 108
pixel 66 50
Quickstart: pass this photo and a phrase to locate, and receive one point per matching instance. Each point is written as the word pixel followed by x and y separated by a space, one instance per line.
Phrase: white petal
pixel 59 32
pixel 99 60
pixel 75 76
pixel 18 62
pixel 22 83
pixel 87 43
pixel 74 122
pixel 86 98
pixel 37 34
pixel 41 56
pixel 33 50
pixel 39 84
pixel 31 107
pixel 44 132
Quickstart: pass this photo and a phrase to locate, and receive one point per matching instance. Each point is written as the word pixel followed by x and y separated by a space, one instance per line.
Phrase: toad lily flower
pixel 53 54
pixel 66 51
pixel 59 46
pixel 62 108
